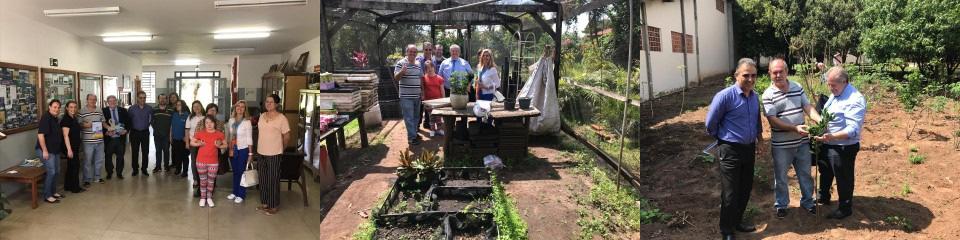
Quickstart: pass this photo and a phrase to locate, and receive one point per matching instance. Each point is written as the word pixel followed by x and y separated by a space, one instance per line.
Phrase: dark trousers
pixel 425 117
pixel 72 180
pixel 140 147
pixel 115 147
pixel 178 154
pixel 837 162
pixel 736 178
pixel 268 172
pixel 162 144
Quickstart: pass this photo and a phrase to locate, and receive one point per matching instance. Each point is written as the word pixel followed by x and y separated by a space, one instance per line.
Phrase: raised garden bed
pixel 429 225
pixel 461 199
pixel 465 177
pixel 471 226
pixel 410 199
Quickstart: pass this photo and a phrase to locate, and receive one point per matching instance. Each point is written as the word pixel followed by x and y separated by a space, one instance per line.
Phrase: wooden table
pixel 26 175
pixel 441 107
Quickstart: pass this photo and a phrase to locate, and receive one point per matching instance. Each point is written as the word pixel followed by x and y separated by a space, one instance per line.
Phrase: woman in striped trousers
pixel 274 132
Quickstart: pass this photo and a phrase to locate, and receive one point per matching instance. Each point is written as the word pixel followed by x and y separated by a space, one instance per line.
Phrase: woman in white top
pixel 196 116
pixel 240 137
pixel 488 79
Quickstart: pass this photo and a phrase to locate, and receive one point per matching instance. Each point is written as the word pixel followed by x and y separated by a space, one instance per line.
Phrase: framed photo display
pixel 18 97
pixel 57 84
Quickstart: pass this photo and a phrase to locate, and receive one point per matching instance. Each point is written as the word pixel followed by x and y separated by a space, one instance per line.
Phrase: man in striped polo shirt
pixel 408 74
pixel 92 120
pixel 785 106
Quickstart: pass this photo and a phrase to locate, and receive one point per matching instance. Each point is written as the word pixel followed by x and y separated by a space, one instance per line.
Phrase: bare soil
pixel 672 177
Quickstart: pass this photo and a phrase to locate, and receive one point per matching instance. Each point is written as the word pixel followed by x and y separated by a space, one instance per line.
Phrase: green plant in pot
pixel 459 83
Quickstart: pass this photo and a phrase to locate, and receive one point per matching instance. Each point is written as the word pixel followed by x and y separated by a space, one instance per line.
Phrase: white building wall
pixel 28 42
pixel 715 55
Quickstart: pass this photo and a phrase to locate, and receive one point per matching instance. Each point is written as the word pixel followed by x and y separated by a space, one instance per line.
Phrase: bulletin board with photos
pixel 58 84
pixel 18 97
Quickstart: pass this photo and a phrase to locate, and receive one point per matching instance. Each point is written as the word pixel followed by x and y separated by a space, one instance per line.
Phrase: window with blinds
pixel 148 83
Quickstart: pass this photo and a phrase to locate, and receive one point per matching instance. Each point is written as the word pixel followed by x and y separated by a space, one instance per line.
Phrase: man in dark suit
pixel 116 139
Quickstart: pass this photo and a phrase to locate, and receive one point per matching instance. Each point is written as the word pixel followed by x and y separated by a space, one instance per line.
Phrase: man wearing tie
pixel 116 140
pixel 453 64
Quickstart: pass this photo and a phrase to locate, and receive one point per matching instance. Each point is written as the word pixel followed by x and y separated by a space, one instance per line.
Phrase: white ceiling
pixel 183 27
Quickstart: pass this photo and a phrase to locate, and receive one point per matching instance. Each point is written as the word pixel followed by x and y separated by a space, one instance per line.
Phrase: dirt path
pixel 681 185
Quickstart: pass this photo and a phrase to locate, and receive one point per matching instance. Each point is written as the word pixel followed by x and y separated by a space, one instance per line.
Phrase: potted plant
pixel 458 90
pixel 419 172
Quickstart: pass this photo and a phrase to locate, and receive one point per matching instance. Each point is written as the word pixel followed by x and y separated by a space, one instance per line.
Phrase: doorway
pixel 204 86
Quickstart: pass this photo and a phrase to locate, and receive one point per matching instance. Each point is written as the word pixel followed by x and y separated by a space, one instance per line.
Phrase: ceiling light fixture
pixel 183 62
pixel 232 50
pixel 149 51
pixel 78 12
pixel 256 3
pixel 142 38
pixel 240 35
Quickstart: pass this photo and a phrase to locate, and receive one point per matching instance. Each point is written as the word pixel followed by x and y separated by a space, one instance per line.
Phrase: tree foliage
pixel 805 29
pixel 925 32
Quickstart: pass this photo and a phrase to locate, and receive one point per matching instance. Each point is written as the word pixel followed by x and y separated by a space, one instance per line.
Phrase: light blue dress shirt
pixel 848 110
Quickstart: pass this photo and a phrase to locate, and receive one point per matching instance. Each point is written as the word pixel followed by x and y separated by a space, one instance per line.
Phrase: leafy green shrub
pixel 938 104
pixel 910 93
pixel 763 81
pixel 954 89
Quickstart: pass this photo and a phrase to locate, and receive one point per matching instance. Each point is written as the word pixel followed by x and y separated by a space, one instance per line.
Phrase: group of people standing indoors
pixel 427 77
pixel 187 139
pixel 734 120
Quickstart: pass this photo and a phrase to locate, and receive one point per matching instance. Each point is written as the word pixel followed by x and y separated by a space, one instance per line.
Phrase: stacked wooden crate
pixel 344 99
pixel 514 138
pixel 366 82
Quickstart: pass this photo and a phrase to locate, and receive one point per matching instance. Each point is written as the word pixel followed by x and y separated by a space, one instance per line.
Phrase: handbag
pixel 249 178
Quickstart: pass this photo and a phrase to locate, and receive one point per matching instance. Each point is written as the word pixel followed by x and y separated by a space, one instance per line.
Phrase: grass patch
pixel 506 215
pixel 905 190
pixel 609 210
pixel 351 128
pixel 916 158
pixel 902 222
pixel 367 229
pixel 751 212
pixel 706 158
pixel 759 175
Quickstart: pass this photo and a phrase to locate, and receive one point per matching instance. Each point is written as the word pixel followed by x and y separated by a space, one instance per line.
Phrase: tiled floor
pixel 160 207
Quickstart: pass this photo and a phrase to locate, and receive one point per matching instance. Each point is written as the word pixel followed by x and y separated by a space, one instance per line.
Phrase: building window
pixel 677 47
pixel 720 5
pixel 653 36
pixel 148 83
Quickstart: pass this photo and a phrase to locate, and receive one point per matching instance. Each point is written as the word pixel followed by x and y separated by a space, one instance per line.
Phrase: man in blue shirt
pixel 841 142
pixel 141 116
pixel 734 120
pixel 451 65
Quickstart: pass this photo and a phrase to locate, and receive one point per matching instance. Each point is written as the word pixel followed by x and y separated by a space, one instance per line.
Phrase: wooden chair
pixel 291 171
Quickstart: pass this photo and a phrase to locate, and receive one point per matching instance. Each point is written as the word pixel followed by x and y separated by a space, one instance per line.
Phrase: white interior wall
pixel 28 42
pixel 313 46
